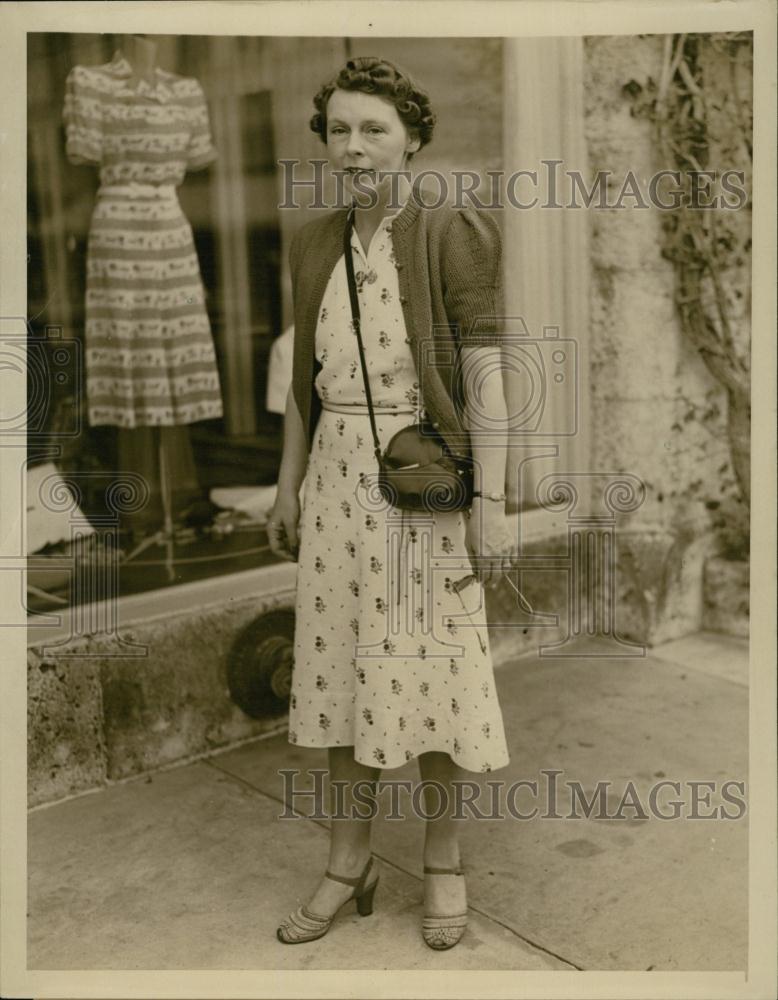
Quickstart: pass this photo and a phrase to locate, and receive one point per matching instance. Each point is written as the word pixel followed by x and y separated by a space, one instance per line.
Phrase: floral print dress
pixel 389 657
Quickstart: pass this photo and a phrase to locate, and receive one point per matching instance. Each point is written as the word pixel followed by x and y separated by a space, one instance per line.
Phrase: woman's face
pixel 365 136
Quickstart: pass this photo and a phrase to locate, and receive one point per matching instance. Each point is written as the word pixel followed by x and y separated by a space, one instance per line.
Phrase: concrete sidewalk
pixel 191 868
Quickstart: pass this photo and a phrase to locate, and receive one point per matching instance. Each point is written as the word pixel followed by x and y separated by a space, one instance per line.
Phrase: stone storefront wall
pixel 97 716
pixel 648 384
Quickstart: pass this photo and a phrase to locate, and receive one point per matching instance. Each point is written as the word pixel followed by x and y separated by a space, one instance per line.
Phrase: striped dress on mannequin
pixel 150 358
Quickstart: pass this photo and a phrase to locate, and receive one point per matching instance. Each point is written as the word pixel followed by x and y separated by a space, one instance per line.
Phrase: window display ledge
pixel 263 581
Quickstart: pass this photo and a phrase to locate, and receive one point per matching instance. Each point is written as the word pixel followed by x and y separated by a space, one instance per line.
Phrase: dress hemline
pixel 387 766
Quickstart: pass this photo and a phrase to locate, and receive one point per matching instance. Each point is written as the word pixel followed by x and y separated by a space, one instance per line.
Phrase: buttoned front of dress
pixel 449 280
pixel 390 363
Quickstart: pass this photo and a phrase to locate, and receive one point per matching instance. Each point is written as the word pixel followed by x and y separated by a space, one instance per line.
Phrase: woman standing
pixel 392 660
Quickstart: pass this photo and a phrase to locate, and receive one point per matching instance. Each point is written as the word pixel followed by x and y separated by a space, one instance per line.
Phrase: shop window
pixel 220 471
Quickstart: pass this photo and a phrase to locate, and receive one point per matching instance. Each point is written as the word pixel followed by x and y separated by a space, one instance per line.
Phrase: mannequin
pixel 173 480
pixel 151 365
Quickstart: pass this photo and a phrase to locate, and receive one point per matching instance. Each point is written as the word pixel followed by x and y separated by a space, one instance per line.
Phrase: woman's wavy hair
pixel 377 76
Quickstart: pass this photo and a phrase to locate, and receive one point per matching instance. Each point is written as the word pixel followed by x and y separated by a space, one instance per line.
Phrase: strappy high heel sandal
pixel 444 930
pixel 303 925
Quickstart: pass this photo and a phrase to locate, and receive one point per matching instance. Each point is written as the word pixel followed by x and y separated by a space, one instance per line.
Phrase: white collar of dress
pixel 159 90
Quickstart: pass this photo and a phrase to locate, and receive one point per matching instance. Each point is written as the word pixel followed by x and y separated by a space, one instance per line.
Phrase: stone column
pixel 546 258
pixel 647 382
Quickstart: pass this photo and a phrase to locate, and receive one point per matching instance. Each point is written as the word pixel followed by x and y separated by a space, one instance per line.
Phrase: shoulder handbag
pixel 418 470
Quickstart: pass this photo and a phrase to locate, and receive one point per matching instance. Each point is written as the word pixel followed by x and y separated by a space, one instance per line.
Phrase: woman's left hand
pixel 491 541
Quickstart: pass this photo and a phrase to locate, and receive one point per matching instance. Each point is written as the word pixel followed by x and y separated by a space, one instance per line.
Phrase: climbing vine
pixel 701 111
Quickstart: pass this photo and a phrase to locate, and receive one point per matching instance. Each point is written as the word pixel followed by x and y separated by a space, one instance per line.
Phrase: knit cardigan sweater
pixel 449 270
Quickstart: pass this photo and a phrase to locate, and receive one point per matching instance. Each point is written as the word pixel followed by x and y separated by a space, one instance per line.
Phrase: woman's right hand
pixel 282 526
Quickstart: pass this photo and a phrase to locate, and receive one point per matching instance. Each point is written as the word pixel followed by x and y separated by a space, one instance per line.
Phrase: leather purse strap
pixel 355 317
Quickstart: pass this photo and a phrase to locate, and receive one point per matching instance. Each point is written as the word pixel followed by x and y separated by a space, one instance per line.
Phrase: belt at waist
pixel 135 190
pixel 362 408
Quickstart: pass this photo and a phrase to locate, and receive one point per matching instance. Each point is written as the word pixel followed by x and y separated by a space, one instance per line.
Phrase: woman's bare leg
pixel 441 842
pixel 350 835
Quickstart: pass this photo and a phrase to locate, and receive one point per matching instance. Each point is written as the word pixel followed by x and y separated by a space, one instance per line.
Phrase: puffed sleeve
pixel 471 269
pixel 83 118
pixel 200 151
